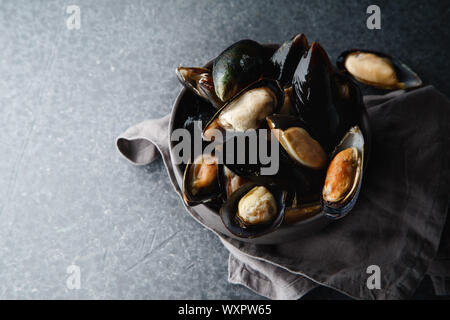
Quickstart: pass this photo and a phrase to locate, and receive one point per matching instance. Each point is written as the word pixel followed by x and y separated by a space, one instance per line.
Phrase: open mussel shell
pixel 190 76
pixel 378 69
pixel 254 210
pixel 284 61
pixel 344 175
pixel 229 181
pixel 302 158
pixel 297 140
pixel 302 207
pixel 248 109
pixel 200 181
pixel 199 81
pixel 238 66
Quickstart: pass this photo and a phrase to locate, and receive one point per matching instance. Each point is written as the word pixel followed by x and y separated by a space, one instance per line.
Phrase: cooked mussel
pixel 248 109
pixel 318 98
pixel 293 134
pixel 199 81
pixel 238 66
pixel 378 70
pixel 229 181
pixel 254 210
pixel 200 181
pixel 285 59
pixel 313 94
pixel 344 175
pixel 302 207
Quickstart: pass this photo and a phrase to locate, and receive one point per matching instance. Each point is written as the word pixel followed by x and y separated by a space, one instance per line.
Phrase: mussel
pixel 257 156
pixel 302 207
pixel 344 175
pixel 302 212
pixel 238 66
pixel 288 104
pixel 318 97
pixel 248 109
pixel 294 135
pixel 378 70
pixel 229 181
pixel 254 210
pixel 199 81
pixel 200 181
pixel 284 61
pixel 241 155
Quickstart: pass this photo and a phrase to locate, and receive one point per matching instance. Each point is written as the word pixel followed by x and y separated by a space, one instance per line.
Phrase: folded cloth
pixel 396 225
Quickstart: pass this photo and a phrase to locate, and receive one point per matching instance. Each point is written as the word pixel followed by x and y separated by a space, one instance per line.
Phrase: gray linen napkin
pixel 396 224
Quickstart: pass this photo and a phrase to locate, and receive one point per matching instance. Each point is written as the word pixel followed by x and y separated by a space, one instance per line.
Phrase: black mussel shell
pixel 240 154
pixel 313 94
pixel 263 83
pixel 289 102
pixel 318 98
pixel 209 194
pixel 284 61
pixel 234 225
pixel 199 81
pixel 348 103
pixel 247 164
pixel 307 179
pixel 407 78
pixel 238 66
pixel 338 209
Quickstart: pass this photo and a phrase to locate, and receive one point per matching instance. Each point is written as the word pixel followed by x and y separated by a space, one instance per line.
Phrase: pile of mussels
pixel 313 111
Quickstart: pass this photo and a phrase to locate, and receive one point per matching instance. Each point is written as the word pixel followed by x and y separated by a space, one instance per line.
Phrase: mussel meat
pixel 238 66
pixel 344 175
pixel 256 207
pixel 293 135
pixel 378 70
pixel 200 181
pixel 341 175
pixel 254 210
pixel 248 109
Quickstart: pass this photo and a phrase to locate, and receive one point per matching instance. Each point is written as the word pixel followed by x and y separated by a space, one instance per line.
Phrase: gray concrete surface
pixel 67 197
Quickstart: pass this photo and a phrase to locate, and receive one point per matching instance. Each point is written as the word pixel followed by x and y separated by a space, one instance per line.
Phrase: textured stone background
pixel 66 194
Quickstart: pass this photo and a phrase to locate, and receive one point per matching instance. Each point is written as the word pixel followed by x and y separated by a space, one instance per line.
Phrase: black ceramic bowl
pixel 210 216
